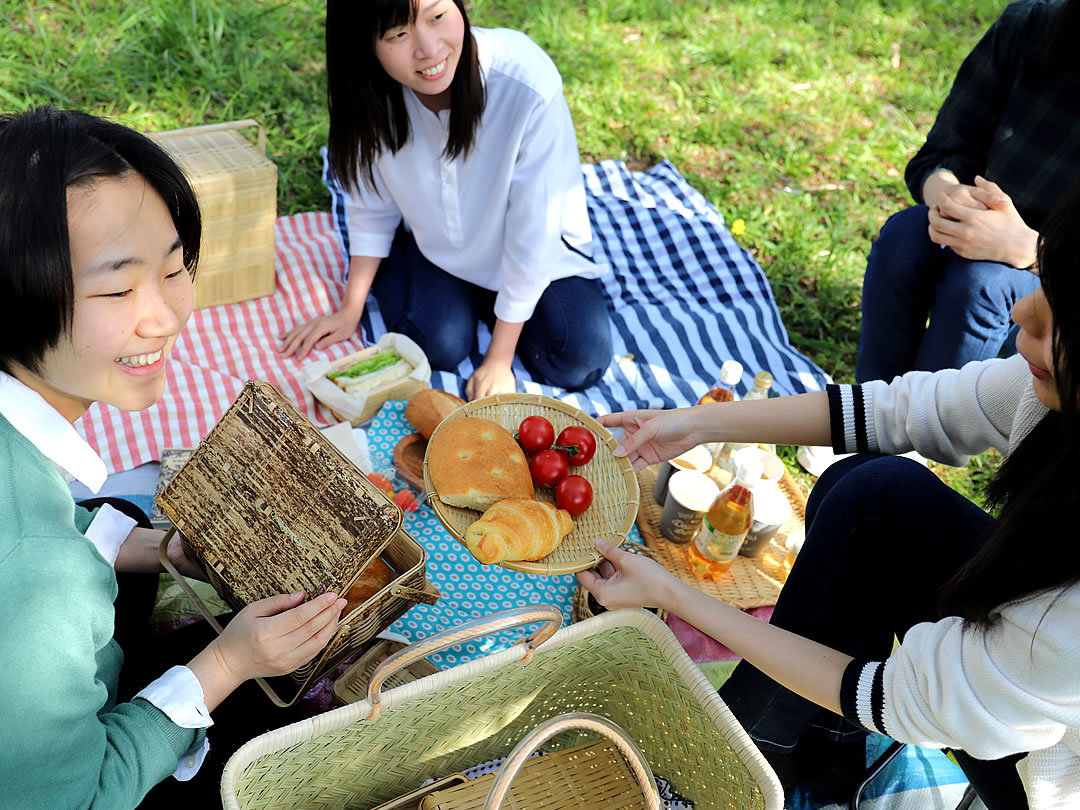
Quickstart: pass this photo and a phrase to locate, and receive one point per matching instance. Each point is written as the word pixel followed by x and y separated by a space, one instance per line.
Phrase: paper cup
pixel 690 494
pixel 773 466
pixel 771 511
pixel 697 459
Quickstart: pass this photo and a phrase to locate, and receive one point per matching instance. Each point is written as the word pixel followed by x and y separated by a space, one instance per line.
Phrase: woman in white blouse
pixel 465 134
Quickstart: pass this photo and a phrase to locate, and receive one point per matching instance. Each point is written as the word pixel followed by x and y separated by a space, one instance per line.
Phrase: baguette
pixel 427 408
pixel 517 529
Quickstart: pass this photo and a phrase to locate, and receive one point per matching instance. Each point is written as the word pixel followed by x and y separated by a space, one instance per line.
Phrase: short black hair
pixel 43 152
pixel 367 108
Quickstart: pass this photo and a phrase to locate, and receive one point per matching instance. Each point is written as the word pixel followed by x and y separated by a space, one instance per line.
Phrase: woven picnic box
pixel 624 665
pixel 236 185
pixel 267 504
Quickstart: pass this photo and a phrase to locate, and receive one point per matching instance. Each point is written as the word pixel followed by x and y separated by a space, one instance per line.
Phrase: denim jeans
pixel 566 342
pixel 909 277
pixel 883 534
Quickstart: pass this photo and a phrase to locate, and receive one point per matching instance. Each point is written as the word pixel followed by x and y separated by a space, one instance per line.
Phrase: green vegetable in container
pixel 376 362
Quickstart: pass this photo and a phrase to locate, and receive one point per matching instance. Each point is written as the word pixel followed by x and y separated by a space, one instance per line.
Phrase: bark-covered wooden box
pixel 268 505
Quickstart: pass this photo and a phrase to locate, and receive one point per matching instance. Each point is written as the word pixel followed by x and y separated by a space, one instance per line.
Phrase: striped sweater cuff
pixel 862 694
pixel 849 409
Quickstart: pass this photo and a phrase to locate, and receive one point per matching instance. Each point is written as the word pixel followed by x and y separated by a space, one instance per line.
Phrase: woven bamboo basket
pixel 236 185
pixel 267 505
pixel 751 581
pixel 615 486
pixel 624 665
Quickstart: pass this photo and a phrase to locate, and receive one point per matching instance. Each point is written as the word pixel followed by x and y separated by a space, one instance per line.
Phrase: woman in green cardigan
pixel 99 237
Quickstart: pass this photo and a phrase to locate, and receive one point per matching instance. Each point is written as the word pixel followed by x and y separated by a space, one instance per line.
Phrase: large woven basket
pixel 615 486
pixel 236 185
pixel 268 505
pixel 624 665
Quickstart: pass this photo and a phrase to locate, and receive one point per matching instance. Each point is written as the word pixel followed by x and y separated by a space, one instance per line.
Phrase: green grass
pixel 787 114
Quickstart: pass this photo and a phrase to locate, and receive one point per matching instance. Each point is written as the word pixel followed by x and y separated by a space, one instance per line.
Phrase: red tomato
pixel 578 444
pixel 548 467
pixel 574 494
pixel 535 433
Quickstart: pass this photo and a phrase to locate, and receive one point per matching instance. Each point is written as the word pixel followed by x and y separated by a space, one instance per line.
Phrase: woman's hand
pixel 273 636
pixel 318 333
pixel 184 564
pixel 627 580
pixel 650 437
pixel 490 377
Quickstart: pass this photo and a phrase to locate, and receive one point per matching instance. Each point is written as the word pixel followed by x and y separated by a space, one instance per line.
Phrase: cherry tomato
pixel 535 433
pixel 548 467
pixel 574 494
pixel 578 444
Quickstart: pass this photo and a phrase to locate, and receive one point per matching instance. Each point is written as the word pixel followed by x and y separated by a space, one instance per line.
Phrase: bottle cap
pixel 731 372
pixel 763 379
pixel 750 471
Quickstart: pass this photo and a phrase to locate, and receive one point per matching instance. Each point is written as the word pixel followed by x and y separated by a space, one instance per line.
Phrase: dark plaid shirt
pixel 1010 116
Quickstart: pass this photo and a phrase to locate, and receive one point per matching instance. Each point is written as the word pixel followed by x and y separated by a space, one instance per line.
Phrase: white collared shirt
pixel 512 216
pixel 178 692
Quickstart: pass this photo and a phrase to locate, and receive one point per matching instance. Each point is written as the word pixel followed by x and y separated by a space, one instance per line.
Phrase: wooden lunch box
pixel 268 505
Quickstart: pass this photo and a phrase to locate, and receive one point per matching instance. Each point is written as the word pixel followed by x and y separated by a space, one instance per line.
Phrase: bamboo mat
pixel 752 581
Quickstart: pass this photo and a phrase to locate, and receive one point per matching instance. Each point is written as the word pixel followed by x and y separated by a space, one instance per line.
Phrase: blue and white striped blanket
pixel 684 297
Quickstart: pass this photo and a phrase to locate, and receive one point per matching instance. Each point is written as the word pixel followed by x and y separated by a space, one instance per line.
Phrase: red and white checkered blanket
pixel 224 347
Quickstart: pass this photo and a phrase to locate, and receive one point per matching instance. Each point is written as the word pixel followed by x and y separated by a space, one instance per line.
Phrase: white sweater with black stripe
pixel 1015 688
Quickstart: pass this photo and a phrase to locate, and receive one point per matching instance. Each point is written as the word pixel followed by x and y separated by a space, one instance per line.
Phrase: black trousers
pixel 245 714
pixel 883 534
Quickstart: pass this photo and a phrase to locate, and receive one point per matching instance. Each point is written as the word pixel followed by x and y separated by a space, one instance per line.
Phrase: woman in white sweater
pixel 987 609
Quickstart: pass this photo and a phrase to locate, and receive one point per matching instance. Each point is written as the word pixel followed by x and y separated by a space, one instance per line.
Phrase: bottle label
pixel 715 545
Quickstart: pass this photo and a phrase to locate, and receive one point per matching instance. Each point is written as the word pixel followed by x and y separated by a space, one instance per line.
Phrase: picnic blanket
pixel 684 297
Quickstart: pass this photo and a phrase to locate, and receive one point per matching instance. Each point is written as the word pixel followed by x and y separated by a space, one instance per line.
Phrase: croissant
pixel 517 529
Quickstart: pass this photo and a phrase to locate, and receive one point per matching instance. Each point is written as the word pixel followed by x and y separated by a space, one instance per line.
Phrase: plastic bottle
pixel 763 381
pixel 724 390
pixel 725 526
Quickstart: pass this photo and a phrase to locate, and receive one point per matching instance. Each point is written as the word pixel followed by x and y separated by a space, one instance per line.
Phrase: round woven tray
pixel 751 581
pixel 615 486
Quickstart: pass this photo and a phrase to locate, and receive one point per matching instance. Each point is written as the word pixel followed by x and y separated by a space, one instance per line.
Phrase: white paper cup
pixel 771 511
pixel 773 466
pixel 697 459
pixel 690 494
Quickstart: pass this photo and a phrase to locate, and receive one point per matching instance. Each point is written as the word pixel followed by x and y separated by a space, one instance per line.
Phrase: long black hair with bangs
pixel 1031 546
pixel 367 107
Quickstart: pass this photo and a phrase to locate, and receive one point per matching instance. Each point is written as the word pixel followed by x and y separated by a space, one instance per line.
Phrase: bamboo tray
pixel 616 492
pixel 751 581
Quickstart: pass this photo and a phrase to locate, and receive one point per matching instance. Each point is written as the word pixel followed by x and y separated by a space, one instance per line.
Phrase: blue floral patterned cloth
pixel 469 590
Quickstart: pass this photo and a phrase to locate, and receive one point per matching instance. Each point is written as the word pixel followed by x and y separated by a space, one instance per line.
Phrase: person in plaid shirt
pixel 1004 148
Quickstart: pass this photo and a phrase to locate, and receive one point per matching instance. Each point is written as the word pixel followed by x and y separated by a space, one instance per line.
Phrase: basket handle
pixel 260 143
pixel 564 722
pixel 466 632
pixel 211 619
pixel 414 594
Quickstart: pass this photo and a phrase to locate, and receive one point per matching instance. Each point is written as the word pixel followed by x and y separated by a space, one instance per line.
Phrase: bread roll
pixel 518 529
pixel 373 579
pixel 475 462
pixel 427 408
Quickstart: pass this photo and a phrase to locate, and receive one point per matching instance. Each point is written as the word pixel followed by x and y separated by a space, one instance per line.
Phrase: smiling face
pixel 1035 343
pixel 424 55
pixel 132 297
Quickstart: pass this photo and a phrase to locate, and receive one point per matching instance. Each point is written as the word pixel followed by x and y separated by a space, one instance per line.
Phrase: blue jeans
pixel 566 342
pixel 883 535
pixel 907 278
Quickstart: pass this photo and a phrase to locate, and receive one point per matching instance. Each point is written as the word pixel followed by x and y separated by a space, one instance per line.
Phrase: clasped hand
pixel 981 223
